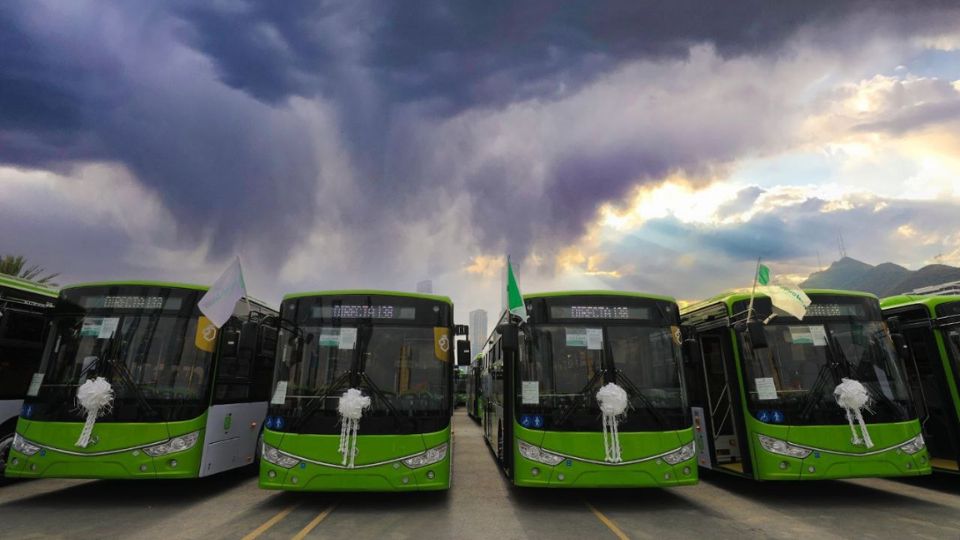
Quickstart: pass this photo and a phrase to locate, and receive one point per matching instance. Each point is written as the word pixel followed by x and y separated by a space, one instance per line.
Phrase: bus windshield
pixel 403 369
pixel 156 361
pixel 562 367
pixel 793 379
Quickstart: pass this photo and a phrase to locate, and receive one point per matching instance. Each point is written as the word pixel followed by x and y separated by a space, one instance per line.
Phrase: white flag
pixel 221 299
pixel 790 299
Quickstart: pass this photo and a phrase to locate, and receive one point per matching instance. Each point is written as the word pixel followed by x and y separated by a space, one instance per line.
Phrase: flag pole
pixel 753 292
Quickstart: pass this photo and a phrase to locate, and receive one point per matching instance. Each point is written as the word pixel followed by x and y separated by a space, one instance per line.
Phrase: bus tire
pixel 6 442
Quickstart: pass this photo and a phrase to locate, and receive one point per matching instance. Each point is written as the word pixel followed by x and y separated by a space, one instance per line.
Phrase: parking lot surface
pixel 482 504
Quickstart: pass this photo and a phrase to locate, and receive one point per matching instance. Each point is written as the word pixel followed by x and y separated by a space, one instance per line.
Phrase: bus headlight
pixel 783 448
pixel 431 456
pixel 277 457
pixel 176 444
pixel 914 445
pixel 535 453
pixel 24 446
pixel 684 453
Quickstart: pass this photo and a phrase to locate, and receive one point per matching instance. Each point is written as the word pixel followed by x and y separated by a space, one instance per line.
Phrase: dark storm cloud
pixel 217 136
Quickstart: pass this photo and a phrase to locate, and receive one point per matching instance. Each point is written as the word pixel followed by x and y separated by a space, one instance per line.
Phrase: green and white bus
pixel 763 390
pixel 474 395
pixel 542 417
pixel 23 305
pixel 188 400
pixel 930 326
pixel 396 349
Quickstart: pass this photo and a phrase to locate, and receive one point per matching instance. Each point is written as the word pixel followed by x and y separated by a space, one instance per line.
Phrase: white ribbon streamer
pixel 96 397
pixel 853 397
pixel 613 404
pixel 351 406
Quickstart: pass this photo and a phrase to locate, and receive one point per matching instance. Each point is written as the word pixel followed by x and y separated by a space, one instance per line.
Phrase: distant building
pixel 425 286
pixel 478 331
pixel 943 289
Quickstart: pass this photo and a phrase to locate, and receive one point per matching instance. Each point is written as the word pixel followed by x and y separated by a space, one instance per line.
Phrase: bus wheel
pixel 6 441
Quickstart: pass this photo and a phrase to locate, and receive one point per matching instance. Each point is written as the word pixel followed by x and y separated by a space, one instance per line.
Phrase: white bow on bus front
pixel 95 397
pixel 351 406
pixel 613 404
pixel 853 397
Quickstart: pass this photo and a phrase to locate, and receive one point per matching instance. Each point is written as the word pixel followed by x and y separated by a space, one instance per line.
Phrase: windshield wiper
pixel 644 400
pixel 319 399
pixel 581 397
pixel 121 369
pixel 815 395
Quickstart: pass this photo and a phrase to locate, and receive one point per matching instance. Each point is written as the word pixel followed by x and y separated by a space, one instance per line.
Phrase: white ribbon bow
pixel 351 406
pixel 95 397
pixel 853 397
pixel 613 404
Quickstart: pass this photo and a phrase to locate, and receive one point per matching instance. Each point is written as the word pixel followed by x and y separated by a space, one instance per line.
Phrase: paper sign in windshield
pixel 91 327
pixel 329 337
pixel 35 383
pixel 576 337
pixel 108 326
pixel 595 339
pixel 766 389
pixel 808 335
pixel 280 394
pixel 348 338
pixel 819 335
pixel 530 393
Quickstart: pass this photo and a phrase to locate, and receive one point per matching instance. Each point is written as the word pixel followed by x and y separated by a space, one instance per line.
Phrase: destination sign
pixel 366 311
pixel 835 310
pixel 131 302
pixel 599 312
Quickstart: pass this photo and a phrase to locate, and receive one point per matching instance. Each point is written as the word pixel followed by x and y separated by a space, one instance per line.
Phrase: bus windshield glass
pixel 792 379
pixel 143 340
pixel 400 360
pixel 561 370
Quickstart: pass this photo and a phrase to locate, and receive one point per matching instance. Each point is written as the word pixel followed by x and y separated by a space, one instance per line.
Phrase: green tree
pixel 16 265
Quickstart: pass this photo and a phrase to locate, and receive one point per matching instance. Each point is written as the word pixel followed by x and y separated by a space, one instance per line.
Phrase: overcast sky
pixel 653 146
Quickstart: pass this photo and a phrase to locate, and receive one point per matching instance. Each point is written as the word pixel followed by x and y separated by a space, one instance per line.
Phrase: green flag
pixel 514 298
pixel 763 275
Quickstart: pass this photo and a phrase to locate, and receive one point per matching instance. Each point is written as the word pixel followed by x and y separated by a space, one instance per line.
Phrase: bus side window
pixel 262 376
pixel 233 369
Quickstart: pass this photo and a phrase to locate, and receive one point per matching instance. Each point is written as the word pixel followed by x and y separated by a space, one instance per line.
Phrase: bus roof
pixel 26 285
pixel 599 293
pixel 361 292
pixel 730 297
pixel 929 301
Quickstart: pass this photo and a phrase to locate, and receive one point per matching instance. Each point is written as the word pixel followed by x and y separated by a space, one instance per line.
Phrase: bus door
pixel 934 403
pixel 720 400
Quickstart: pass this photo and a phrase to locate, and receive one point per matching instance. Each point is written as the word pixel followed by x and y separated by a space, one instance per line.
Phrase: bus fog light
pixel 294 480
pixel 561 477
pixel 24 446
pixel 686 471
pixel 666 476
pixel 535 453
pixel 430 475
pixel 172 463
pixel 683 453
pixel 431 456
pixel 33 466
pixel 923 460
pixel 914 445
pixel 909 465
pixel 272 455
pixel 405 480
pixel 176 444
pixel 535 471
pixel 783 448
pixel 272 473
pixel 811 469
pixel 784 465
pixel 143 468
pixel 15 462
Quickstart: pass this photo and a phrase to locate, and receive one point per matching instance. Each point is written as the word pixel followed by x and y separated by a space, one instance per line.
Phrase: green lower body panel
pixel 583 465
pixel 116 454
pixel 379 465
pixel 833 455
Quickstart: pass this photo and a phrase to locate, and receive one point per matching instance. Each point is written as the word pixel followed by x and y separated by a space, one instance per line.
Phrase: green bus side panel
pixel 834 455
pixel 579 473
pixel 378 463
pixel 116 454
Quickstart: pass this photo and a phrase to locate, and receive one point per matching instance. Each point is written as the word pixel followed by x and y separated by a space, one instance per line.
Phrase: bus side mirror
pixel 463 353
pixel 893 323
pixel 758 335
pixel 689 345
pixel 509 340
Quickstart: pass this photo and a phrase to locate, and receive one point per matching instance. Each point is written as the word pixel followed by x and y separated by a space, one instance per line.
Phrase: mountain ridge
pixel 884 279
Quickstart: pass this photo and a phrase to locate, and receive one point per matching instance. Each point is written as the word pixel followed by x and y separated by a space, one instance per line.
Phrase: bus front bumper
pixel 126 464
pixel 391 476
